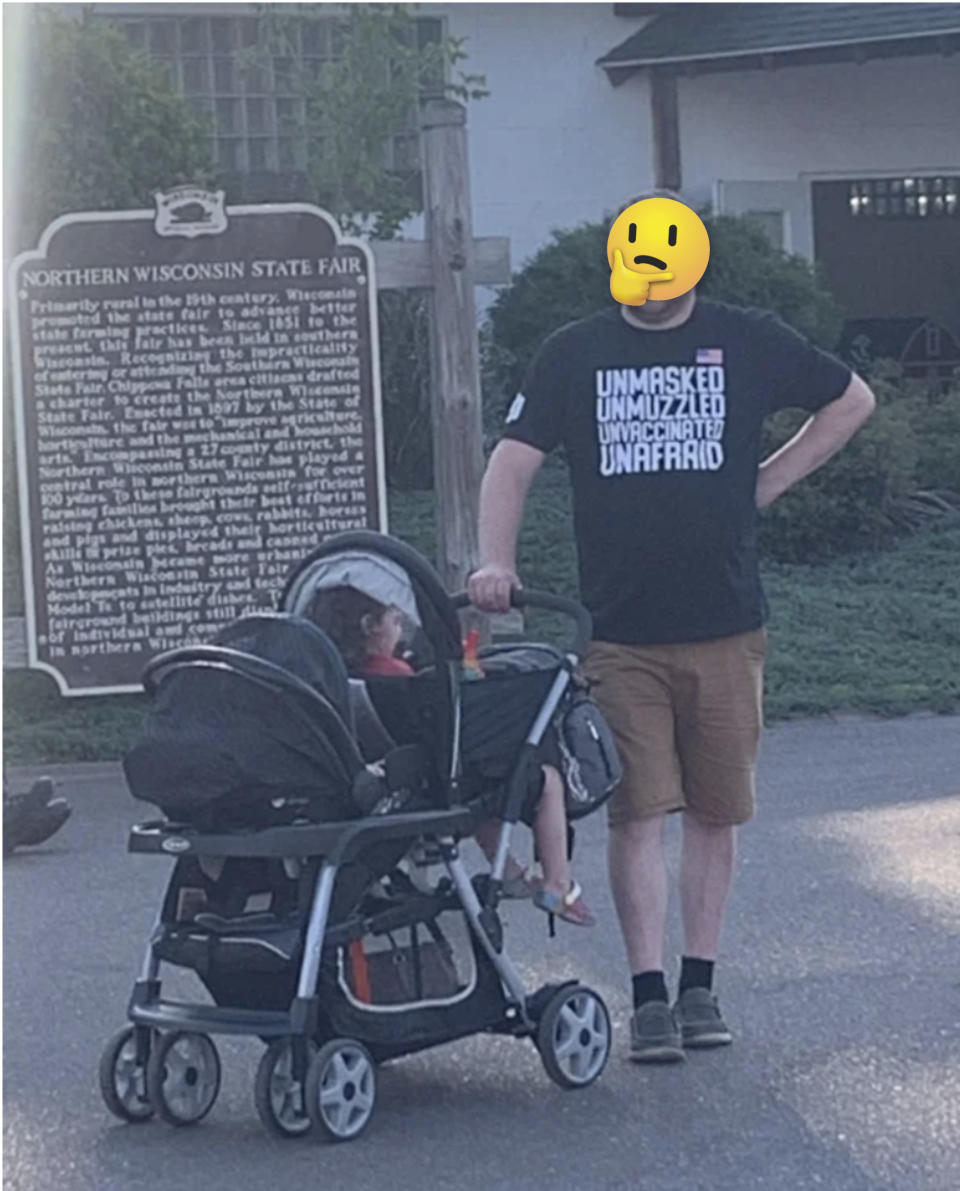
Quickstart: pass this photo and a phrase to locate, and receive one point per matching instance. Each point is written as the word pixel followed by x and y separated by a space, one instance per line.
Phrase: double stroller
pixel 316 821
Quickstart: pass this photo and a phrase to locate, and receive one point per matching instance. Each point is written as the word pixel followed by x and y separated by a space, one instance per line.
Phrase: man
pixel 659 408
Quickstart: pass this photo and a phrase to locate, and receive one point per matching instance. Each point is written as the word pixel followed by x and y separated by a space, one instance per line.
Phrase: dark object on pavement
pixel 33 817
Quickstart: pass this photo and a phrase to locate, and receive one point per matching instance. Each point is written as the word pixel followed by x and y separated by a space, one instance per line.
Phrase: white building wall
pixel 899 116
pixel 553 145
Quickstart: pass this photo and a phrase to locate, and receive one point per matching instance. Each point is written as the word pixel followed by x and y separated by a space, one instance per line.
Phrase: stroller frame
pixel 336 844
pixel 568 1022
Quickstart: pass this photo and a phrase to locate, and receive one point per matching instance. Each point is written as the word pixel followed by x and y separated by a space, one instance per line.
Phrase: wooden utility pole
pixel 455 365
pixel 667 170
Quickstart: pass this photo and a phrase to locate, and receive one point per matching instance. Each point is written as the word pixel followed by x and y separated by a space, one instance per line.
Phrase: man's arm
pixel 503 494
pixel 815 442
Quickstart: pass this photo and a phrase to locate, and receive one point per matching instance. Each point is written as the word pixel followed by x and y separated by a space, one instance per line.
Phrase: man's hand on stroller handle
pixel 489 587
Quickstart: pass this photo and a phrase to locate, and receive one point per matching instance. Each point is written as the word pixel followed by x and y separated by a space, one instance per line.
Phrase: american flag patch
pixel 709 355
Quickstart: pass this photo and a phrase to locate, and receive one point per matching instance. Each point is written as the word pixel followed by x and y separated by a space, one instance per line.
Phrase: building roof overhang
pixel 708 38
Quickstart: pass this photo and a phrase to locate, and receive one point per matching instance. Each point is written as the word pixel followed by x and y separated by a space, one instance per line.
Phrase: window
pixel 196 76
pixel 904 198
pixel 258 151
pixel 258 122
pixel 228 117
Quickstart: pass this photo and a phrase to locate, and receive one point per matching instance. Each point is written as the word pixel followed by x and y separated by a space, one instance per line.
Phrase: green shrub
pixel 747 270
pixel 936 423
pixel 934 412
pixel 569 278
pixel 899 473
pixel 853 502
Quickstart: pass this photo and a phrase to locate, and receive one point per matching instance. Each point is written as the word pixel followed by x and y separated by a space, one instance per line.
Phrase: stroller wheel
pixel 183 1077
pixel 279 1093
pixel 123 1081
pixel 341 1089
pixel 573 1036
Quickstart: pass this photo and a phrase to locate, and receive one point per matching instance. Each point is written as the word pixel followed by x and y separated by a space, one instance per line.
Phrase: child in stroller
pixel 368 634
pixel 292 895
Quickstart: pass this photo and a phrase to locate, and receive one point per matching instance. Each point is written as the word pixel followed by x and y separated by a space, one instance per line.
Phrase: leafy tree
pixel 92 122
pixel 364 95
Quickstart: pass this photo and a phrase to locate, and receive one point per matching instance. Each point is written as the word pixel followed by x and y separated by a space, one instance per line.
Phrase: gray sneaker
pixel 654 1035
pixel 700 1021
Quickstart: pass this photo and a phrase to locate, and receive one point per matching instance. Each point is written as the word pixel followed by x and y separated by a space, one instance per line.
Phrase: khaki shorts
pixel 687 721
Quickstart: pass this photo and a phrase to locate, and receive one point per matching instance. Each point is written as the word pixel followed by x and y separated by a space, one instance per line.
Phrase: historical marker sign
pixel 197 400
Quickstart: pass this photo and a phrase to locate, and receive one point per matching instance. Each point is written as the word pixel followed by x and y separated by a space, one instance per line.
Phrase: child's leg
pixel 550 832
pixel 487 836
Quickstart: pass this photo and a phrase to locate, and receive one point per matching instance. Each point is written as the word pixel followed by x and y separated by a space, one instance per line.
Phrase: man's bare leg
pixel 706 874
pixel 638 878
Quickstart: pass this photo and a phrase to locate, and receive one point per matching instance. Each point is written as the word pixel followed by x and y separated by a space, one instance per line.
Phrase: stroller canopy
pixel 378 577
pixel 387 570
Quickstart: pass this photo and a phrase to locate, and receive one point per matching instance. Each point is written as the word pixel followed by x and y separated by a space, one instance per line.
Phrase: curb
pixel 84 771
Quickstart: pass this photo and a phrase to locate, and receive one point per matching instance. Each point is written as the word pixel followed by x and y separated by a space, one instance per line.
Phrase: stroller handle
pixel 521 597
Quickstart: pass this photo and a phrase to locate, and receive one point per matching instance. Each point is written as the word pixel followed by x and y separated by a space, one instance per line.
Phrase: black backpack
pixel 589 761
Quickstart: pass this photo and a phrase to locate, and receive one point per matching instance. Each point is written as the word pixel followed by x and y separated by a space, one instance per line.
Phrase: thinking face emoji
pixel 657 248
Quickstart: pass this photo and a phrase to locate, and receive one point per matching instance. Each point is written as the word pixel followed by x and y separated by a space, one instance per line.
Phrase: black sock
pixel 649 986
pixel 696 973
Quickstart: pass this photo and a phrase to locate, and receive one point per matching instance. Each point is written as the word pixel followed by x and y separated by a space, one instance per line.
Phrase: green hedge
pixel 569 278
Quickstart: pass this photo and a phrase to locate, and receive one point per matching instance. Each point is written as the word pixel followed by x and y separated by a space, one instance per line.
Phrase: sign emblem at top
pixel 190 211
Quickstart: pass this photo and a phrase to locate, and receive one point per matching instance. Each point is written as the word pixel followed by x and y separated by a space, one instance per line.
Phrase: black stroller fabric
pixel 224 746
pixel 297 645
pixel 499 709
pixel 498 713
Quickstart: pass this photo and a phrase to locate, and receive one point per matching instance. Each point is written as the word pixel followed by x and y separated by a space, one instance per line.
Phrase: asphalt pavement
pixel 840 978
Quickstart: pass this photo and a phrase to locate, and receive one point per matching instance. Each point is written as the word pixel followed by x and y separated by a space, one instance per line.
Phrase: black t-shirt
pixel 662 437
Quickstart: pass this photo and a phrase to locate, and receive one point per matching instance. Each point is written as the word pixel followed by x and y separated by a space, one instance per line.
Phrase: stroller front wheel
pixel 573 1036
pixel 123 1080
pixel 183 1077
pixel 280 1091
pixel 341 1089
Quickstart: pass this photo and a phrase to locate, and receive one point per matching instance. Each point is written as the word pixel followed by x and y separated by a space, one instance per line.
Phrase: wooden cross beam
pixel 406 264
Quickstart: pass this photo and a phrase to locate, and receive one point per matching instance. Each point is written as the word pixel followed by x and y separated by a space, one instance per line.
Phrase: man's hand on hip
pixel 815 442
pixel 490 587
